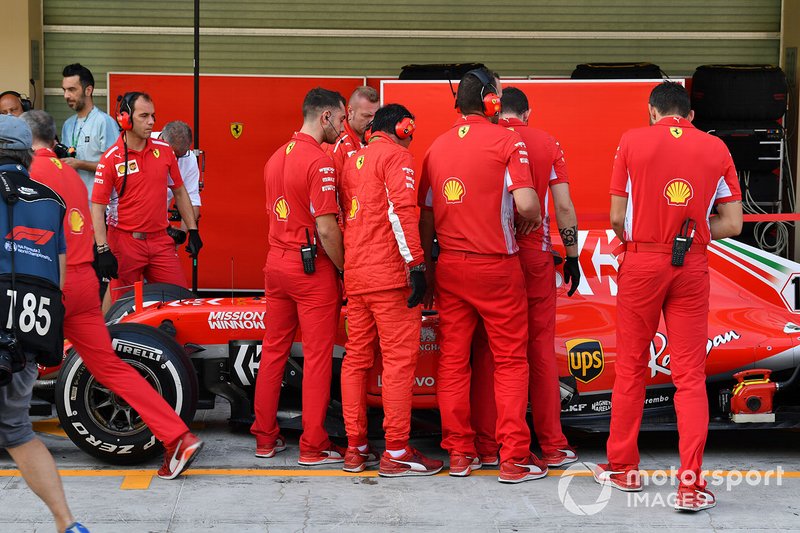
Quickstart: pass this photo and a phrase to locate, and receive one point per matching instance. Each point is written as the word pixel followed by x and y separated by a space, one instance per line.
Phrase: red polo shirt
pixel 150 172
pixel 549 168
pixel 467 178
pixel 301 185
pixel 345 146
pixel 670 172
pixel 48 169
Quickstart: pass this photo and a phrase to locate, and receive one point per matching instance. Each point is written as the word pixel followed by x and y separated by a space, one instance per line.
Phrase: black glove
pixel 105 264
pixel 572 273
pixel 195 243
pixel 418 288
pixel 178 235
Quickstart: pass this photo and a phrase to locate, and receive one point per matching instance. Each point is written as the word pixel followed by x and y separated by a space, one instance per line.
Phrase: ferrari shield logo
pixel 236 129
pixel 462 131
pixel 156 153
pixel 676 132
pixel 360 162
pixel 585 359
pixel 57 163
pixel 289 147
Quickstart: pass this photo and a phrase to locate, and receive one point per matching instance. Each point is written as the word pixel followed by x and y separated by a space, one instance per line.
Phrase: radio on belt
pixel 682 242
pixel 308 252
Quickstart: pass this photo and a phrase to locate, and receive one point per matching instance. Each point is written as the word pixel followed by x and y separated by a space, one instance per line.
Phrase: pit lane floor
pixel 229 490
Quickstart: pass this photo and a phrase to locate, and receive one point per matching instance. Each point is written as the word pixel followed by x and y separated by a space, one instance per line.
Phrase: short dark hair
pixel 387 117
pixel 670 98
pixel 129 100
pixel 514 101
pixel 318 100
pixel 23 157
pixel 83 73
pixel 42 125
pixel 469 98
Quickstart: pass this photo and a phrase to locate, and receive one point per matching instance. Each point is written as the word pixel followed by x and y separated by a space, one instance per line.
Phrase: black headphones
pixel 27 105
pixel 491 102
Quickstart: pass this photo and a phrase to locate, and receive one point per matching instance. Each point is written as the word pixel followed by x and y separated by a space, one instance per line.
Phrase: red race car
pixel 195 349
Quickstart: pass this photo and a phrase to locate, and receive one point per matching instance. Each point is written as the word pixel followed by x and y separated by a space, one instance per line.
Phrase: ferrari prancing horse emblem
pixel 236 129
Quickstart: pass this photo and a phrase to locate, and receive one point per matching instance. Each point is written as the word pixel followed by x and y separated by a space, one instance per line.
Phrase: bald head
pixel 10 104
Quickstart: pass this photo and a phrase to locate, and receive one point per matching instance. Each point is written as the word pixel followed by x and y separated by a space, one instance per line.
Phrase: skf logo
pixel 133 167
pixel 354 205
pixel 281 209
pixel 454 190
pixel 462 131
pixel 676 132
pixel 585 358
pixel 76 221
pixel 678 192
pixel 289 147
pixel 36 235
pixel 360 162
pixel 236 129
pixel 57 163
pixel 156 153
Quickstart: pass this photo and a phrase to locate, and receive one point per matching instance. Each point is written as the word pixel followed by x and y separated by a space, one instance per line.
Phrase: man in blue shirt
pixel 89 132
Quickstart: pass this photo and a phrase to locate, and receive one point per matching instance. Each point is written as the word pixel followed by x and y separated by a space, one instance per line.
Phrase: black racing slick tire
pixel 153 293
pixel 103 424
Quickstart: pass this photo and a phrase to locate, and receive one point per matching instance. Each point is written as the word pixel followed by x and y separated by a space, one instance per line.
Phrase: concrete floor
pixel 230 490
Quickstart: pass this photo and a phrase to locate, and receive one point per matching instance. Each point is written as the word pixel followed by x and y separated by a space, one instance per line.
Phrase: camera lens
pixel 5 368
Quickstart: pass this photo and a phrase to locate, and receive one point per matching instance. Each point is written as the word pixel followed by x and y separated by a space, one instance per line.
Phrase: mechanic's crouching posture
pixel 382 256
pixel 535 252
pixel 301 279
pixel 472 176
pixel 30 213
pixel 83 321
pixel 665 181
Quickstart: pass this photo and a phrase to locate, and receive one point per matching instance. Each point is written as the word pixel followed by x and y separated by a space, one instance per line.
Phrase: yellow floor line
pixel 49 426
pixel 136 482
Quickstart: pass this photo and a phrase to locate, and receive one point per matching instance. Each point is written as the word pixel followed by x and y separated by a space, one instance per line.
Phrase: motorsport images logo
pixel 587 490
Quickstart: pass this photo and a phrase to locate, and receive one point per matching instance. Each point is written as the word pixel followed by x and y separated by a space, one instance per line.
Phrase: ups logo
pixel 585 359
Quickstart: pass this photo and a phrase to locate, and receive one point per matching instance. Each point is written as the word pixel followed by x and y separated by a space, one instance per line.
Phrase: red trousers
pixel 471 287
pixel 543 384
pixel 85 328
pixel 311 301
pixel 380 316
pixel 648 286
pixel 154 257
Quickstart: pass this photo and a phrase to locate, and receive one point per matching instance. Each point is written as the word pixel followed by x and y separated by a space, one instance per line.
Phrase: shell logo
pixel 76 221
pixel 354 206
pixel 676 132
pixel 360 162
pixel 281 209
pixel 678 192
pixel 57 163
pixel 453 191
pixel 462 131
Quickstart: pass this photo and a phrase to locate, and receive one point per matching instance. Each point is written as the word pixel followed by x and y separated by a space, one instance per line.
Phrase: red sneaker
pixel 335 454
pixel 560 457
pixel 517 472
pixel 356 461
pixel 411 463
pixel 624 480
pixel 178 457
pixel 489 459
pixel 265 451
pixel 462 465
pixel 691 499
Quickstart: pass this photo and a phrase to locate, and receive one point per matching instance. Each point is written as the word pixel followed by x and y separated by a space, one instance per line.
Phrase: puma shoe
pixel 411 463
pixel 517 472
pixel 462 465
pixel 356 461
pixel 265 451
pixel 179 456
pixel 691 499
pixel 333 455
pixel 560 457
pixel 624 480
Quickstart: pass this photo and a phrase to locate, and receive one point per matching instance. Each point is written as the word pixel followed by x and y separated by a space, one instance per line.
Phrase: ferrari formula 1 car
pixel 195 349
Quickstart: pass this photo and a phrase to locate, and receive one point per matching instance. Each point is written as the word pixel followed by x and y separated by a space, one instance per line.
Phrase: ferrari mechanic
pixel 361 108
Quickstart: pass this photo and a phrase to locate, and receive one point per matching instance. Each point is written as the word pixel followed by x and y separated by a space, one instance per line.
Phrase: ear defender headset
pixel 405 128
pixel 125 111
pixel 26 103
pixel 491 102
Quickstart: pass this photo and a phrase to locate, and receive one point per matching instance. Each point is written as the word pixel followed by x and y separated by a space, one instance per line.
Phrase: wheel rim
pixel 109 411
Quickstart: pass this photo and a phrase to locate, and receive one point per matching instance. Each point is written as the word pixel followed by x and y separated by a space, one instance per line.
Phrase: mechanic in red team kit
pixel 665 182
pixel 472 177
pixel 535 252
pixel 301 279
pixel 83 322
pixel 133 176
pixel 382 256
pixel 361 108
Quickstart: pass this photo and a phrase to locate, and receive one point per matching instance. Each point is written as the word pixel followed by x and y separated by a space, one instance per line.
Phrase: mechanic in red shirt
pixel 361 108
pixel 383 256
pixel 133 176
pixel 536 254
pixel 472 177
pixel 83 322
pixel 301 278
pixel 665 178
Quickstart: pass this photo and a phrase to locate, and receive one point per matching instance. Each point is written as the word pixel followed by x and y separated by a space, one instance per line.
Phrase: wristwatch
pixel 417 268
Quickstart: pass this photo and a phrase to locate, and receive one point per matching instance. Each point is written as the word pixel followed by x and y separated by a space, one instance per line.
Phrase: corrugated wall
pixel 372 37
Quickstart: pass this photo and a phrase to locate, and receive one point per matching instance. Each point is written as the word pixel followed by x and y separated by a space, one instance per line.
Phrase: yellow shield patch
pixel 76 221
pixel 360 162
pixel 354 205
pixel 676 132
pixel 462 131
pixel 281 209
pixel 157 153
pixel 678 192
pixel 453 191
pixel 236 129
pixel 289 147
pixel 57 163
pixel 585 358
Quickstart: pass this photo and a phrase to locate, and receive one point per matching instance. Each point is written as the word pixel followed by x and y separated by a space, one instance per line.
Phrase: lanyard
pixel 76 138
